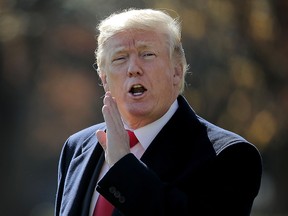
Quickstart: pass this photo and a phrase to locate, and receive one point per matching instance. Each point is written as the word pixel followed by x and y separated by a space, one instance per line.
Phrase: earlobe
pixel 178 73
pixel 104 82
pixel 105 87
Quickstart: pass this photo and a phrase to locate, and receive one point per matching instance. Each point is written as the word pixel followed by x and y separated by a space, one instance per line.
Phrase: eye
pixel 119 59
pixel 149 55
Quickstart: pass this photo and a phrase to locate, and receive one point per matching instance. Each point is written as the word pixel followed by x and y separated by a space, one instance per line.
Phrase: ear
pixel 103 78
pixel 178 73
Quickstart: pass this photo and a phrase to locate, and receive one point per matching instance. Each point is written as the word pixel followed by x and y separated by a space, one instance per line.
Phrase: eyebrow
pixel 139 45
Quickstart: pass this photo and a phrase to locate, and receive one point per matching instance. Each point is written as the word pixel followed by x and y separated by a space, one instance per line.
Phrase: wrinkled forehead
pixel 134 39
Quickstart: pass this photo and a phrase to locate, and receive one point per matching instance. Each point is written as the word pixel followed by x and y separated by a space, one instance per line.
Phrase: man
pixel 182 164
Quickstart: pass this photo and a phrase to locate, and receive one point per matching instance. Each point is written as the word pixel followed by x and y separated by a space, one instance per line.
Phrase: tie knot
pixel 133 138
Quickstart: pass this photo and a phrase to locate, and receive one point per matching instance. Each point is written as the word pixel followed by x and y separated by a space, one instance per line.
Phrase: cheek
pixel 115 83
pixel 163 84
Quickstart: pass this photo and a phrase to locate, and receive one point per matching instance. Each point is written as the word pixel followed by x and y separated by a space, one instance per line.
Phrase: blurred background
pixel 238 56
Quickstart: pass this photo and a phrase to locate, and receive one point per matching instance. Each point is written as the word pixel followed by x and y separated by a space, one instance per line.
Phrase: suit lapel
pixel 82 169
pixel 91 186
pixel 173 152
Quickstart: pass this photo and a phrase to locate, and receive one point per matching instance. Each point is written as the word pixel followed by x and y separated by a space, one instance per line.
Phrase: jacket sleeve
pixel 224 186
pixel 237 179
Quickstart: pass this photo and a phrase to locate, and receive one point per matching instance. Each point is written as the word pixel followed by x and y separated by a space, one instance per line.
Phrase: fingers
pixel 101 136
pixel 115 141
pixel 110 111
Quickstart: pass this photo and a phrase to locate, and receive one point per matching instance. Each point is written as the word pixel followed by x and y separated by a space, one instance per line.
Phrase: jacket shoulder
pixel 82 139
pixel 222 138
pixel 85 133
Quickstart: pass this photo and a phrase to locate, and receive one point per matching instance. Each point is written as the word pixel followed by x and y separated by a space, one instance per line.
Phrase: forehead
pixel 135 39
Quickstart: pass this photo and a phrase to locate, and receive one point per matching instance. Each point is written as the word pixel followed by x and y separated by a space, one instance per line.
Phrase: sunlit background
pixel 238 57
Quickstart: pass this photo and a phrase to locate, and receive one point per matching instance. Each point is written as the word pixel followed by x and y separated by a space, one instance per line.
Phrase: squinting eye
pixel 150 54
pixel 118 59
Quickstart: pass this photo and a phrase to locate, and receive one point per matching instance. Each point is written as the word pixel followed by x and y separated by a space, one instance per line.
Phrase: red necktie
pixel 104 207
pixel 133 138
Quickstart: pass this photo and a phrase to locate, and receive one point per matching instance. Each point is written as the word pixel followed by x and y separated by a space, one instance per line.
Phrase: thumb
pixel 101 136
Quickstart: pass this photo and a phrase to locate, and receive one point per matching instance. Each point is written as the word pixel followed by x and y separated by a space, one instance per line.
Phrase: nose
pixel 134 67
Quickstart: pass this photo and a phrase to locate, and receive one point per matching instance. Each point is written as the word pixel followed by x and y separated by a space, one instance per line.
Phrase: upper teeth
pixel 137 86
pixel 137 89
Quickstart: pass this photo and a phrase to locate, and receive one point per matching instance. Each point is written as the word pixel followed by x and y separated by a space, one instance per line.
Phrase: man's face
pixel 141 76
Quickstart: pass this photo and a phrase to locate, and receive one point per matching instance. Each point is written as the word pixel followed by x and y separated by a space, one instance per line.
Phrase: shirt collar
pixel 147 133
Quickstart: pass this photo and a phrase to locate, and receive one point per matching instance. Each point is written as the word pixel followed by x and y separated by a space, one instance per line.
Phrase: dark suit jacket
pixel 192 167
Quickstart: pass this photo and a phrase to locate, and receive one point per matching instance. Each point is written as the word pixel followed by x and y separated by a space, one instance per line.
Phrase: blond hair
pixel 142 19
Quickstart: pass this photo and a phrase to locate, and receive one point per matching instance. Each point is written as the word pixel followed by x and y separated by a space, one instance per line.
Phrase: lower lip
pixel 138 95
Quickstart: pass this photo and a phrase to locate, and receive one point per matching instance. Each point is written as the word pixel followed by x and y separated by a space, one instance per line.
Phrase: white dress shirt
pixel 145 135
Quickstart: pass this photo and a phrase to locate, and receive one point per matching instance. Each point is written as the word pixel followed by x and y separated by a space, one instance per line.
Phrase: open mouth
pixel 137 90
